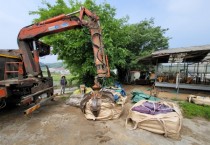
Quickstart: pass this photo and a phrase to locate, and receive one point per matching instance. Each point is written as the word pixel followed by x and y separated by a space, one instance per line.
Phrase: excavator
pixel 23 82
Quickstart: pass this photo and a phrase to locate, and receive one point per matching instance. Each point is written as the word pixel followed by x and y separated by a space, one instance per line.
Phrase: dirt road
pixel 59 124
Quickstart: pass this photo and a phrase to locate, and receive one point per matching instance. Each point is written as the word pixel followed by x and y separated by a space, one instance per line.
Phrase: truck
pixel 22 82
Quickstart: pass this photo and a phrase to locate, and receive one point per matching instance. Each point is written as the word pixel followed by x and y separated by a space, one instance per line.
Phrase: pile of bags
pixel 109 104
pixel 112 104
pixel 149 113
pixel 158 117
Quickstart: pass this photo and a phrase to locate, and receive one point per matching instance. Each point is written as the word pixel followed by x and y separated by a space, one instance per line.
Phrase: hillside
pixel 52 65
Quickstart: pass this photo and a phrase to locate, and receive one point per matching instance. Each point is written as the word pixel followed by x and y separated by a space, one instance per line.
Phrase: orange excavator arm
pixel 29 45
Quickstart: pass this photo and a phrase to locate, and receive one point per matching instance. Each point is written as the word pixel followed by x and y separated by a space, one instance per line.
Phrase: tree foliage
pixel 75 47
pixel 144 38
pixel 123 42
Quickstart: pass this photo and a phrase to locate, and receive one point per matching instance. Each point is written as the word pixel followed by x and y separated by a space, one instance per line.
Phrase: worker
pixel 63 83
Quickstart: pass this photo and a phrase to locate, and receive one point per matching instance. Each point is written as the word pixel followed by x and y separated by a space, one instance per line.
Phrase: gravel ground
pixel 58 124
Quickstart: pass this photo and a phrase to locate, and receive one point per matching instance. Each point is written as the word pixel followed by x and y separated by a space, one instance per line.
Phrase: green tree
pixel 144 38
pixel 75 47
pixel 123 42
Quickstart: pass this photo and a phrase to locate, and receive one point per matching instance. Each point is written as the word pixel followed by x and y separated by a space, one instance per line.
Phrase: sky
pixel 188 20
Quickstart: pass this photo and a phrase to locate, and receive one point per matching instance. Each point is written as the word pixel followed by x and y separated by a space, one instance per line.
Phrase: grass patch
pixel 57 76
pixel 191 110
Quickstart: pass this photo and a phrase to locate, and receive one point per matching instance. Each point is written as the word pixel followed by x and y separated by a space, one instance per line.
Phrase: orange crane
pixel 30 84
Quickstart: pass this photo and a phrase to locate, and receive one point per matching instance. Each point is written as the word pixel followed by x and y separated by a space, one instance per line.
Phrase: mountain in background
pixel 41 64
pixel 52 65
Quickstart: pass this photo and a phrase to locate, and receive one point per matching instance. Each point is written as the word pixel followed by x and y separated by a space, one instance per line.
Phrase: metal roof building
pixel 190 64
pixel 183 54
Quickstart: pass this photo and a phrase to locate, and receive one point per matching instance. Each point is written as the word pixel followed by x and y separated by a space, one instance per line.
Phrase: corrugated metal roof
pixel 182 50
pixel 190 54
pixel 207 58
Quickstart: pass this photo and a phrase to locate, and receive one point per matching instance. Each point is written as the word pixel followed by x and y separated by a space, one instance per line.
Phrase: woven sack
pixel 168 124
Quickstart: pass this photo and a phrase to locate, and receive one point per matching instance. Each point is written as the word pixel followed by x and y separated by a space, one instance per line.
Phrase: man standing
pixel 63 83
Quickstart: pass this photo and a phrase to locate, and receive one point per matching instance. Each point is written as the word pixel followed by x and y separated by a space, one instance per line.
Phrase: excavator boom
pixel 22 82
pixel 28 39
